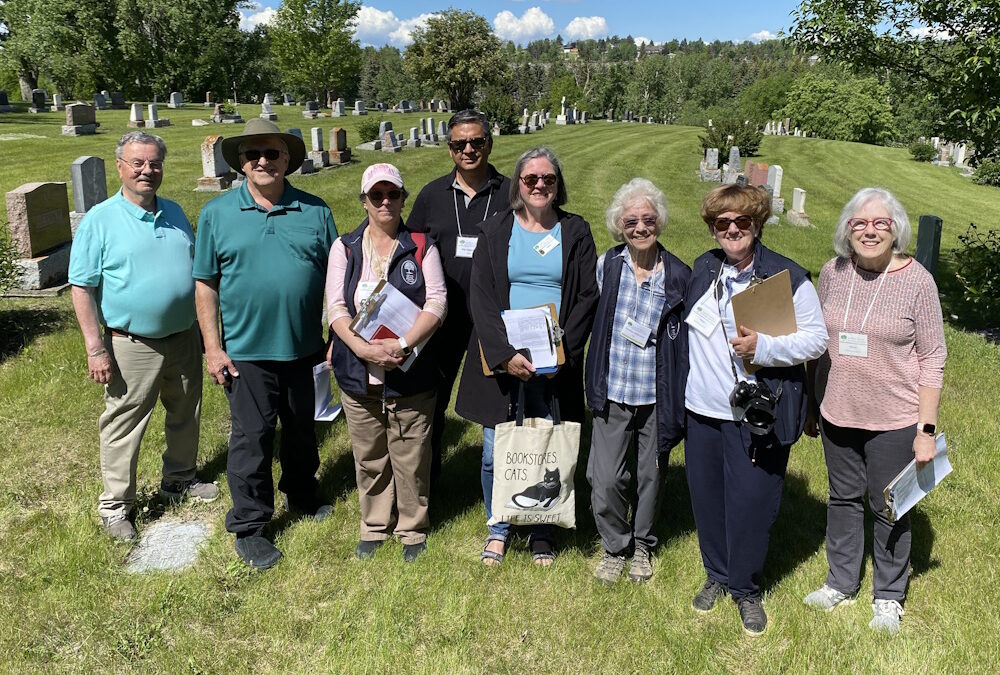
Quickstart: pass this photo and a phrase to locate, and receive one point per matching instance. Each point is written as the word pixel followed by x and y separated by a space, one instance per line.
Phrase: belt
pixel 125 334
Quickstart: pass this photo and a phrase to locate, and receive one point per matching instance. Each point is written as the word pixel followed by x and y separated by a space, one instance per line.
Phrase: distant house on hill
pixel 570 51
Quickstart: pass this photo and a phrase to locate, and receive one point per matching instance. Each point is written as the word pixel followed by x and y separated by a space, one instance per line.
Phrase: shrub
pixel 922 152
pixel 227 108
pixel 978 269
pixel 746 137
pixel 500 108
pixel 368 129
pixel 988 173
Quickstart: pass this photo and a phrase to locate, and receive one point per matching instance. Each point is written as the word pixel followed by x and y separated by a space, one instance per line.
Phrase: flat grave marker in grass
pixel 168 545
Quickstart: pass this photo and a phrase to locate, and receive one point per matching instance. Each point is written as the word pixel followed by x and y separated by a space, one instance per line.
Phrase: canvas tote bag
pixel 534 461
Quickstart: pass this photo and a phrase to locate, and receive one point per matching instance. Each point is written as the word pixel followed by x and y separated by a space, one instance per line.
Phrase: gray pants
pixel 859 460
pixel 610 476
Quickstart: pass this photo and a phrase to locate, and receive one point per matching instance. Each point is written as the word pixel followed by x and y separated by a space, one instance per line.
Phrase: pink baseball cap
pixel 377 173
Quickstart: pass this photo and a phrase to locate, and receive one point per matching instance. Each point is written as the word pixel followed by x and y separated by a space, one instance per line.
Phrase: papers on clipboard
pixel 766 307
pixel 387 314
pixel 325 410
pixel 535 330
pixel 912 484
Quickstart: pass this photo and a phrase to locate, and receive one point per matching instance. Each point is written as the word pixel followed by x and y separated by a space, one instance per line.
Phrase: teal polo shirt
pixel 271 269
pixel 140 263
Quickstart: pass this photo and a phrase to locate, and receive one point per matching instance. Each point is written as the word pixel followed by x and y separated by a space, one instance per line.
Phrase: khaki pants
pixel 392 462
pixel 146 369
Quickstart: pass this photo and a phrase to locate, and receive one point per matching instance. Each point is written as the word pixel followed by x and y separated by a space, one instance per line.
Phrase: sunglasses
pixel 531 180
pixel 632 223
pixel 458 145
pixel 377 196
pixel 859 224
pixel 270 154
pixel 742 222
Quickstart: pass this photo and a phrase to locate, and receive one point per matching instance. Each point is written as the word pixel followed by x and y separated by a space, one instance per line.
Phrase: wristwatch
pixel 926 428
pixel 407 349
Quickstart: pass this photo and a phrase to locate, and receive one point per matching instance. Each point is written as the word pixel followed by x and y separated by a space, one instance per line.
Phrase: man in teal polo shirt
pixel 260 263
pixel 130 268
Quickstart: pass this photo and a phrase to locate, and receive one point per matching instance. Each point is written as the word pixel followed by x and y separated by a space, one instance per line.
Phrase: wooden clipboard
pixel 560 352
pixel 766 307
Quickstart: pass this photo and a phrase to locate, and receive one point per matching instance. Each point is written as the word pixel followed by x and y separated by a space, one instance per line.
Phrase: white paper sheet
pixel 393 310
pixel 325 410
pixel 531 329
pixel 912 484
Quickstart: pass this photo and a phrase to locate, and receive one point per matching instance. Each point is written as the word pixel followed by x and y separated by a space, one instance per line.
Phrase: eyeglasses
pixel 155 165
pixel 742 222
pixel 531 179
pixel 859 224
pixel 270 154
pixel 477 143
pixel 377 196
pixel 632 223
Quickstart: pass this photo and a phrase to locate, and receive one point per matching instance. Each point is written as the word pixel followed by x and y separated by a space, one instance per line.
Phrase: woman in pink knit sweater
pixel 878 386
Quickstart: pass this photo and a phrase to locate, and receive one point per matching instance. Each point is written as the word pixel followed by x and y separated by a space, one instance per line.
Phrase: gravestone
pixel 287 99
pixel 797 214
pixel 359 108
pixel 154 120
pixel 732 169
pixel 562 119
pixel 959 154
pixel 90 187
pixel 709 170
pixel 318 155
pixel 135 118
pixel 389 142
pixel 216 173
pixel 929 242
pixel 168 545
pixel 38 101
pixel 404 106
pixel 307 166
pixel 176 100
pixel 5 105
pixel 383 127
pixel 57 103
pixel 311 111
pixel 209 100
pixel 100 101
pixel 39 227
pixel 758 176
pixel 774 175
pixel 267 112
pixel 81 120
pixel 340 153
pixel 583 117
pixel 118 101
pixel 414 139
pixel 338 108
pixel 269 99
pixel 442 129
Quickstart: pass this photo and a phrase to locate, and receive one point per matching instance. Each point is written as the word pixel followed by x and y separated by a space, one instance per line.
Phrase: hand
pixel 100 368
pixel 382 353
pixel 811 428
pixel 745 345
pixel 924 448
pixel 519 367
pixel 215 361
pixel 329 354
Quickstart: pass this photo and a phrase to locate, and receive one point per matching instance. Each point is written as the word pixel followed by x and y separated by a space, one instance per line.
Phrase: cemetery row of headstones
pixel 420 136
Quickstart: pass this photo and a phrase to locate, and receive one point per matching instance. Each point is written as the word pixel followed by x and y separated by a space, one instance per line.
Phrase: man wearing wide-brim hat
pixel 260 268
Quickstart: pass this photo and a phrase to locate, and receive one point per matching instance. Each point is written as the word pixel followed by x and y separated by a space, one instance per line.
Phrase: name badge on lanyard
pixel 465 246
pixel 636 333
pixel 853 344
pixel 546 245
pixel 704 316
pixel 365 289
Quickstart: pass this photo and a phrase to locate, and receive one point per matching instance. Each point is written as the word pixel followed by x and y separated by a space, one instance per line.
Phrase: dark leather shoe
pixel 366 549
pixel 257 552
pixel 412 551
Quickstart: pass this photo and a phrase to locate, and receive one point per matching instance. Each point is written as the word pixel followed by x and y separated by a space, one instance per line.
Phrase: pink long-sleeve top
pixel 906 347
pixel 435 298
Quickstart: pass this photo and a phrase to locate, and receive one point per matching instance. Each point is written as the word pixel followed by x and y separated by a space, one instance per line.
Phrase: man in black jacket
pixel 452 208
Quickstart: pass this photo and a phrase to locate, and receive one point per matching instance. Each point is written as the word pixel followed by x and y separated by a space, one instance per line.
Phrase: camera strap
pixel 729 347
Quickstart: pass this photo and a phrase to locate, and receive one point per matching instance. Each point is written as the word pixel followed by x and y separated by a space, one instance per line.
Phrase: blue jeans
pixel 535 405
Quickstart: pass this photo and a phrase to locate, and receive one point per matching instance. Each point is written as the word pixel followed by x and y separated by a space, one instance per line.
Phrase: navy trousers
pixel 735 501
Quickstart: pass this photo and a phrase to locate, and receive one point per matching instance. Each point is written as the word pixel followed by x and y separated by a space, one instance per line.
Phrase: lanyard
pixel 648 314
pixel 850 293
pixel 486 215
pixel 718 299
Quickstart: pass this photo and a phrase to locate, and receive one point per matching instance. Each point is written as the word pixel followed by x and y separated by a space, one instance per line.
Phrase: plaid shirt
pixel 632 369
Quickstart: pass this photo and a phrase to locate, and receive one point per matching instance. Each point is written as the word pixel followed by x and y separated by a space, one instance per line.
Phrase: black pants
pixel 735 501
pixel 264 393
pixel 447 347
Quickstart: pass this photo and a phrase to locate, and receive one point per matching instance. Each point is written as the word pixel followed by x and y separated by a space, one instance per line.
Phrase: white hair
pixel 900 221
pixel 636 190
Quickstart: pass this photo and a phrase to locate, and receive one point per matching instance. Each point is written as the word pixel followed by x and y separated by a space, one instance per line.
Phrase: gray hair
pixel 143 138
pixel 516 203
pixel 470 116
pixel 900 222
pixel 636 190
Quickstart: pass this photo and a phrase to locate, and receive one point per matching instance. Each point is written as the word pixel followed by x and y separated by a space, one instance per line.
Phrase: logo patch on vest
pixel 673 327
pixel 408 270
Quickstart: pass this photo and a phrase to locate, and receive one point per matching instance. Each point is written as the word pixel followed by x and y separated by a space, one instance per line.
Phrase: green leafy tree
pixel 950 47
pixel 313 46
pixel 455 53
pixel 840 107
pixel 383 77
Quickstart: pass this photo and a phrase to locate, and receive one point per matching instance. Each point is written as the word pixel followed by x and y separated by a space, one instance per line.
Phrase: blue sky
pixel 390 21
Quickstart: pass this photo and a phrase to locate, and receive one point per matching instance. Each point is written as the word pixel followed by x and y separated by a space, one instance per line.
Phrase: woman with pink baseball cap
pixel 387 390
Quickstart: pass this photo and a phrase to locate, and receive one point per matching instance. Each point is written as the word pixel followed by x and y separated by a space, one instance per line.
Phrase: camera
pixel 754 404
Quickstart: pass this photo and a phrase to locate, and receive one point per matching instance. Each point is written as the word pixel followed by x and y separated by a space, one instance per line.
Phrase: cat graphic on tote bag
pixel 543 495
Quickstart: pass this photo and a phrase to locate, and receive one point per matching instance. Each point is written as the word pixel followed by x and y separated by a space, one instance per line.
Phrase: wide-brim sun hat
pixel 258 128
pixel 378 173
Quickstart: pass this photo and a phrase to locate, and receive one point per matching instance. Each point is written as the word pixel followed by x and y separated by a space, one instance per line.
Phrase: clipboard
pixel 555 340
pixel 766 307
pixel 387 314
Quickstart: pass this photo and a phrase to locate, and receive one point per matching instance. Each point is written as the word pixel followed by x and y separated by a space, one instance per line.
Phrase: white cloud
pixel 532 25
pixel 255 16
pixel 927 31
pixel 587 28
pixel 375 27
pixel 639 41
pixel 763 36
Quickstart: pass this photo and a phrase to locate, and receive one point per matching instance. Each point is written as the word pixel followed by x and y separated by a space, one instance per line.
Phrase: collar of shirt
pixel 734 277
pixel 288 201
pixel 142 214
pixel 655 278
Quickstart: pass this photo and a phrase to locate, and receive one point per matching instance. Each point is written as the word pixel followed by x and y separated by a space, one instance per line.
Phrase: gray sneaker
pixel 641 567
pixel 888 614
pixel 705 600
pixel 195 490
pixel 827 598
pixel 610 568
pixel 119 527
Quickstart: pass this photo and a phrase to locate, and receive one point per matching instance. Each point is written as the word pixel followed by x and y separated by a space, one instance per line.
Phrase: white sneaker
pixel 887 615
pixel 826 598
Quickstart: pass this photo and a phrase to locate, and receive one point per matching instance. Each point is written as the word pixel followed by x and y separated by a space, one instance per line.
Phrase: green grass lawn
pixel 67 603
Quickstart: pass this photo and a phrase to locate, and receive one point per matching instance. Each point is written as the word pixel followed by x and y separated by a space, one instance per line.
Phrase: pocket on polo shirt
pixel 302 241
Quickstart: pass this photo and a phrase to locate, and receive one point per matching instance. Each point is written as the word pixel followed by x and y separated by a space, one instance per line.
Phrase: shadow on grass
pixel 798 533
pixel 20 326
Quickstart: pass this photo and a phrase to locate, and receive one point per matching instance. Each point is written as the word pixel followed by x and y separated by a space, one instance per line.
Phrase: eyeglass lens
pixel 531 179
pixel 477 143
pixel 631 223
pixel 377 196
pixel 742 222
pixel 862 223
pixel 270 154
pixel 137 164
